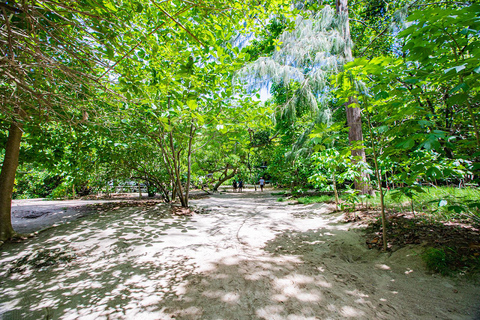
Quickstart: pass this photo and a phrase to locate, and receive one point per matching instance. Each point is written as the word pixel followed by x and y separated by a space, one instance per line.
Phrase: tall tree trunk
pixel 7 179
pixel 354 118
pixel 355 137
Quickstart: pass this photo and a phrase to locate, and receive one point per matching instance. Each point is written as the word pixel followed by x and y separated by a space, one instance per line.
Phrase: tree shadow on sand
pixel 143 263
pixel 318 274
pixel 116 270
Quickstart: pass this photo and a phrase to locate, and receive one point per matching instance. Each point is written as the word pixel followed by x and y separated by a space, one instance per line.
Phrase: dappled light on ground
pixel 250 257
pixel 117 268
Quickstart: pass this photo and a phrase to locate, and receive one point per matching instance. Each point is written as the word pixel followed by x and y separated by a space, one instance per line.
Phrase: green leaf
pixel 412 80
pixel 192 104
pixel 167 127
pixel 458 98
pixel 463 86
pixel 408 144
pixel 110 53
pixel 139 7
pixel 109 5
pixel 425 123
pixel 457 209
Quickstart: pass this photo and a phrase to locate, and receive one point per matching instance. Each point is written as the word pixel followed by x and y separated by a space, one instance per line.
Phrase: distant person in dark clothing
pixel 234 185
pixel 240 185
pixel 262 183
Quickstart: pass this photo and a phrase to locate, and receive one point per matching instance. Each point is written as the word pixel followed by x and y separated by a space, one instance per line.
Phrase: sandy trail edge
pixel 251 257
pixel 31 215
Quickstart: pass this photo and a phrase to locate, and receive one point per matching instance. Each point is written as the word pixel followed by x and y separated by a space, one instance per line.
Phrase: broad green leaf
pixel 463 86
pixel 192 104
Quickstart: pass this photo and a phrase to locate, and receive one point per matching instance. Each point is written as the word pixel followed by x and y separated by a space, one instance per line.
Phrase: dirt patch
pixel 458 245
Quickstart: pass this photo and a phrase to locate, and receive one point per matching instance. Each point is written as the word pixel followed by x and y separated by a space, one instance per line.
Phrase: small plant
pixel 351 199
pixel 436 260
pixel 410 192
pixel 333 168
pixel 458 207
pixel 298 191
pixel 280 199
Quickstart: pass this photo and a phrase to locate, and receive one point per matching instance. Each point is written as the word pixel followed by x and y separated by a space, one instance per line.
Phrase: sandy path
pixel 250 257
pixel 32 215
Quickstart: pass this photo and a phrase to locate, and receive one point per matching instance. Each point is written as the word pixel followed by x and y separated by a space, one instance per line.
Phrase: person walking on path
pixel 234 185
pixel 262 183
pixel 240 185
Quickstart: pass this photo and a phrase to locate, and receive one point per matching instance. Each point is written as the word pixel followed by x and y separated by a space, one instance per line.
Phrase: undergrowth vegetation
pixel 437 203
pixel 445 248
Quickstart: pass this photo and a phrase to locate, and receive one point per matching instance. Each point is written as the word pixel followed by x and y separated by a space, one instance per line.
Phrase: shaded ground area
pixel 247 257
pixel 32 215
pixel 35 214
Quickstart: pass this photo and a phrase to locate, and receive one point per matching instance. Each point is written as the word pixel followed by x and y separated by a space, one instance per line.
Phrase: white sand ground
pixel 249 257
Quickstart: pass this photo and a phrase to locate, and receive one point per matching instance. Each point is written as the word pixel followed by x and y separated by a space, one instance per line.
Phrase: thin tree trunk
pixel 189 164
pixel 474 122
pixel 250 169
pixel 354 118
pixel 355 137
pixel 7 179
pixel 171 165
pixel 177 172
pixel 337 201
pixel 379 181
pixel 168 164
pixel 174 189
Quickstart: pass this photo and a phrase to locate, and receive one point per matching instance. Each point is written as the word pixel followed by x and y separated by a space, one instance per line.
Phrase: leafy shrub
pixel 63 190
pixel 33 183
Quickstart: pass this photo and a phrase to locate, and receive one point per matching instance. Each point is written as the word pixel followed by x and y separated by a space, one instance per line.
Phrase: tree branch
pixel 178 23
pixel 138 44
